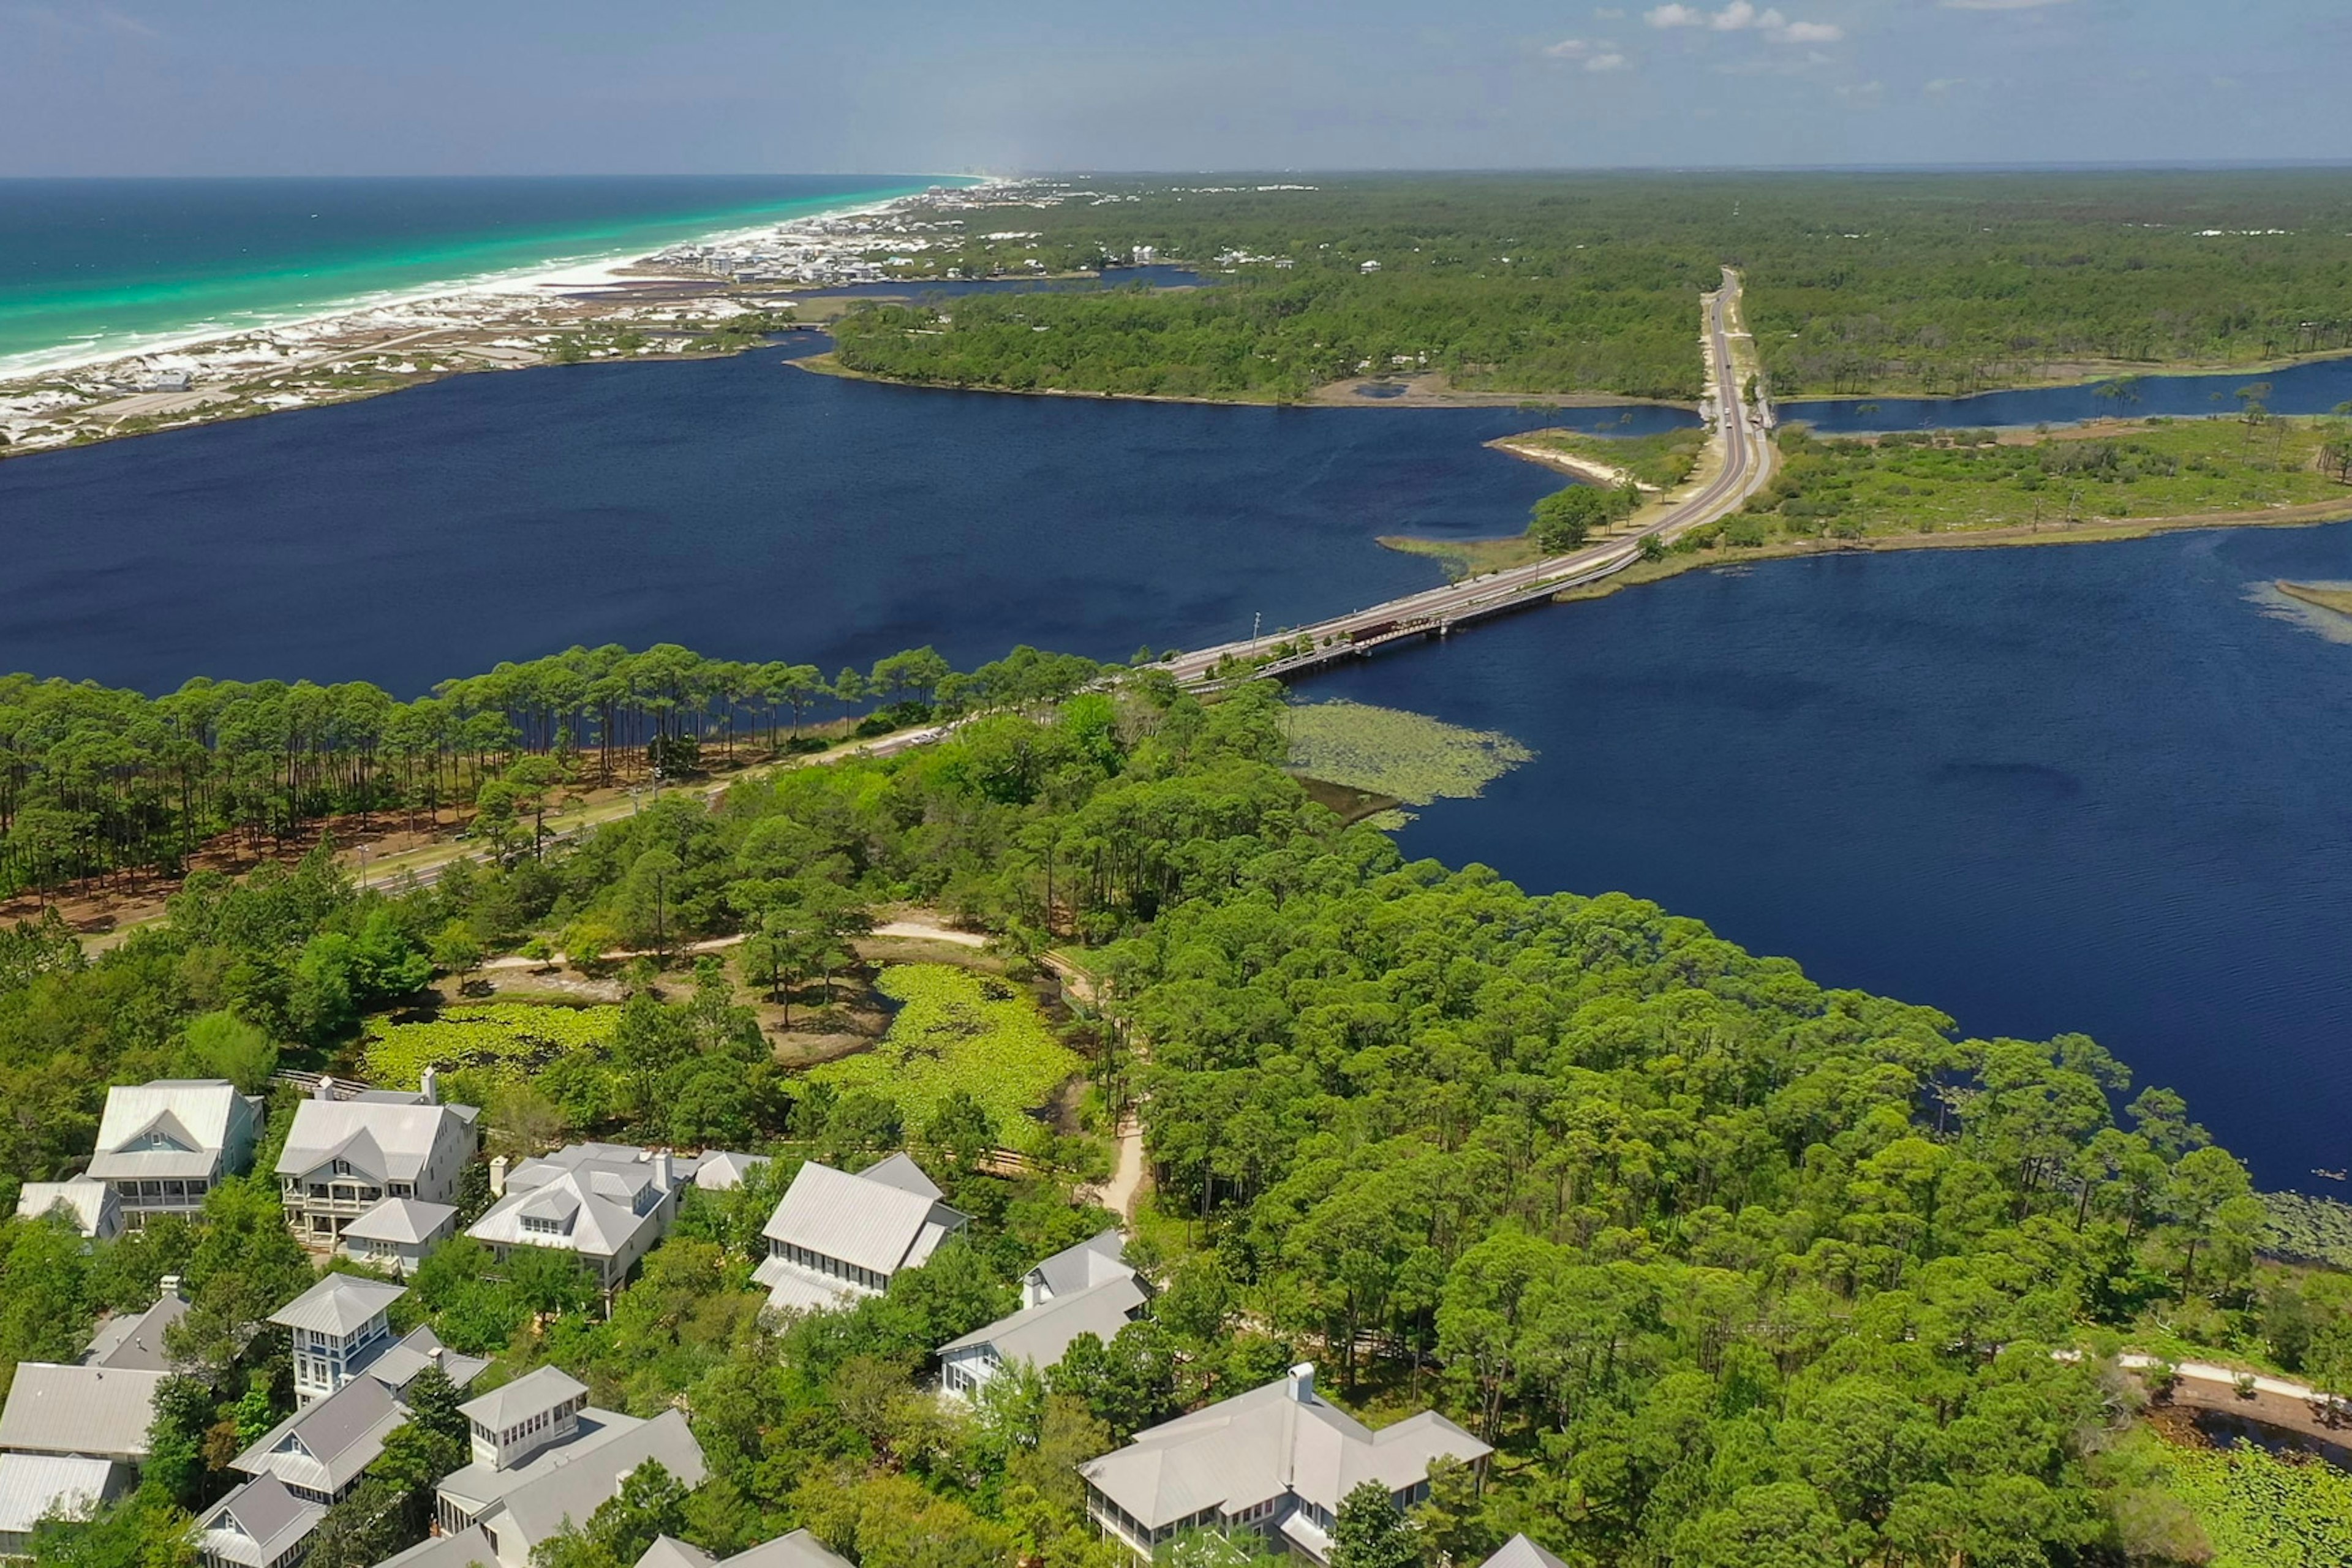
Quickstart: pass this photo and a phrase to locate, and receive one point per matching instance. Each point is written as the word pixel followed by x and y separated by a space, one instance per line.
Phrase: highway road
pixel 1743 463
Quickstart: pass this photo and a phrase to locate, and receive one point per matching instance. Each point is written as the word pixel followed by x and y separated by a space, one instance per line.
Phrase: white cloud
pixel 1741 16
pixel 1597 55
pixel 1868 93
pixel 1608 12
pixel 1999 4
pixel 1944 84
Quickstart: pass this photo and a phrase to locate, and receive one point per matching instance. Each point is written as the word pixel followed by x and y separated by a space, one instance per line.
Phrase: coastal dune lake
pixel 2097 788
pixel 743 506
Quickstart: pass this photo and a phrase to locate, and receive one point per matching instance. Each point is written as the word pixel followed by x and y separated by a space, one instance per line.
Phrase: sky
pixel 440 87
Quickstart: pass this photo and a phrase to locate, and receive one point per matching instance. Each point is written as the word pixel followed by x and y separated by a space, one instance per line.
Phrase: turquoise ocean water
pixel 89 268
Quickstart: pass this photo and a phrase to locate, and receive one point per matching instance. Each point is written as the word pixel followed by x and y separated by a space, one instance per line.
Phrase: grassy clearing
pixel 504 1040
pixel 958 1031
pixel 2117 470
pixel 1409 757
pixel 1468 557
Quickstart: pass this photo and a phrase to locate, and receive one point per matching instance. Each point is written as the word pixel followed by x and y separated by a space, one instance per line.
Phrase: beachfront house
pixel 543 1455
pixel 1084 1289
pixel 1276 1461
pixel 91 1207
pixel 607 1203
pixel 339 1326
pixel 162 1146
pixel 345 1160
pixel 836 1238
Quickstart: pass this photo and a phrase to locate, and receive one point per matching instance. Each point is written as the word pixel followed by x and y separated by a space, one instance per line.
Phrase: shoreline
pixel 2120 371
pixel 586 271
pixel 373 343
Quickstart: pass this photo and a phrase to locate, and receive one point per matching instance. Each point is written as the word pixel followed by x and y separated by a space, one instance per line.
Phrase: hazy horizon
pixel 270 87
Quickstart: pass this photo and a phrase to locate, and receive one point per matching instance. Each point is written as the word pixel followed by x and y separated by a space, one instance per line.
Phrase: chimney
pixel 428 1084
pixel 326 1090
pixel 498 1177
pixel 663 1177
pixel 1300 1381
pixel 170 1286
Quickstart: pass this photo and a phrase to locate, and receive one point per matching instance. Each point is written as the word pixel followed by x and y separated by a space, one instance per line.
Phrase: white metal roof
pixel 94 1410
pixel 867 1220
pixel 193 1112
pixel 526 1396
pixel 798 1549
pixel 669 1552
pixel 324 1446
pixel 538 1508
pixel 257 1523
pixel 392 1143
pixel 402 1222
pixel 1519 1552
pixel 89 1204
pixel 1255 1447
pixel 339 1305
pixel 586 1185
pixel 1040 1334
pixel 35 1486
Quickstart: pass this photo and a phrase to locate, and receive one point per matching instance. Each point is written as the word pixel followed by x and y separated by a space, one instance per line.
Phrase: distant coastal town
pixel 710 295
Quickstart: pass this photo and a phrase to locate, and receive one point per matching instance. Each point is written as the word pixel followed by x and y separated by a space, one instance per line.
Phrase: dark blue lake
pixel 2096 788
pixel 741 506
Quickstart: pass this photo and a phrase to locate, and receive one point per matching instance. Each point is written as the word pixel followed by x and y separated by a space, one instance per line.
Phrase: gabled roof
pixel 1040 1334
pixel 1282 1437
pixel 469 1548
pixel 477 1488
pixel 195 1113
pixel 723 1170
pixel 669 1552
pixel 1097 1260
pixel 415 1351
pixel 325 1446
pixel 587 1188
pixel 572 1488
pixel 883 1219
pixel 257 1523
pixel 35 1486
pixel 798 1549
pixel 87 1203
pixel 94 1410
pixel 401 1222
pixel 339 1305
pixel 134 1340
pixel 388 1140
pixel 900 1170
pixel 525 1397
pixel 1519 1552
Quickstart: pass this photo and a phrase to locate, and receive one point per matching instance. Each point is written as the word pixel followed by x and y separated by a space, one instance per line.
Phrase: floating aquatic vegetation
pixel 1410 757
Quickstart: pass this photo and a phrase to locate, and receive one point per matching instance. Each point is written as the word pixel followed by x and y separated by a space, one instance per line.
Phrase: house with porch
pixel 836 1238
pixel 345 1159
pixel 1276 1461
pixel 163 1146
pixel 1084 1289
pixel 607 1203
pixel 339 1326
